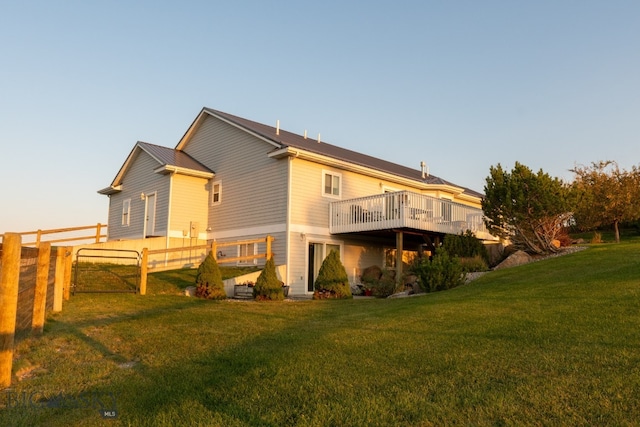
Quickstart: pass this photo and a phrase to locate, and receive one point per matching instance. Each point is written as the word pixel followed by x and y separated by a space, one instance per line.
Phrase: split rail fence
pixel 33 281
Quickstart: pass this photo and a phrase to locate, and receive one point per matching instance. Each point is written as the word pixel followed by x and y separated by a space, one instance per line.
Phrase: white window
pixel 331 184
pixel 126 212
pixel 216 192
pixel 247 249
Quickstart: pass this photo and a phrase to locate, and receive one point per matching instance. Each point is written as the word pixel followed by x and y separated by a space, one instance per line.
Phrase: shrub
pixel 441 273
pixel 268 286
pixel 209 280
pixel 332 280
pixel 473 264
pixel 465 245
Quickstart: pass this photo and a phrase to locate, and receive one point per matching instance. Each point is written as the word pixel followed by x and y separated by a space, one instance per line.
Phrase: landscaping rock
pixel 190 291
pixel 515 259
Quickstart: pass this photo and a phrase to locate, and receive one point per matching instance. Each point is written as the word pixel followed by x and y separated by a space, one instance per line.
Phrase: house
pixel 232 179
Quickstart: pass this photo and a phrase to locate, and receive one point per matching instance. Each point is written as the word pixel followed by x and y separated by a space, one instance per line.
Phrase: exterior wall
pixel 139 179
pixel 254 186
pixel 189 197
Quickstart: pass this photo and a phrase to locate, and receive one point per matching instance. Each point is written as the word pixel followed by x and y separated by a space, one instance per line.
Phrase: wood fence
pixel 70 234
pixel 214 247
pixel 32 282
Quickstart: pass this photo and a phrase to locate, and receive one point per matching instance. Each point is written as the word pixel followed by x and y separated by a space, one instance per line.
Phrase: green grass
pixel 554 342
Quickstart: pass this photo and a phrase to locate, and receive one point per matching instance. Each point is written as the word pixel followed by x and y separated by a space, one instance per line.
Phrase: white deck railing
pixel 405 209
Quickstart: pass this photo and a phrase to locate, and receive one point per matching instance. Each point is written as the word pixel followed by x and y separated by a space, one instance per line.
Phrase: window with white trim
pixel 247 249
pixel 331 184
pixel 216 192
pixel 126 212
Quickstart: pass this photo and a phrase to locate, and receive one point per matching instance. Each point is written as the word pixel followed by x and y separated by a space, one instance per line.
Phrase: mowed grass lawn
pixel 556 342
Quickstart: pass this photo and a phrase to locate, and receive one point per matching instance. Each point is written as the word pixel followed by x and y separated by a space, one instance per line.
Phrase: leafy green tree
pixel 268 286
pixel 209 283
pixel 606 195
pixel 332 277
pixel 529 209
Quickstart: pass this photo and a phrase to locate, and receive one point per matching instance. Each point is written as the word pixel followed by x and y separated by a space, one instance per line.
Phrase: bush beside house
pixel 209 283
pixel 268 286
pixel 332 280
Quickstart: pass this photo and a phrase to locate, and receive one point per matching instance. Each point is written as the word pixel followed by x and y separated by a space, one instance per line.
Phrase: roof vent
pixel 305 134
pixel 277 127
pixel 425 169
pixel 318 137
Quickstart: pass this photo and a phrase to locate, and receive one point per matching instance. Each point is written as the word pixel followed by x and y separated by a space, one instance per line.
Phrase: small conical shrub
pixel 268 287
pixel 332 280
pixel 209 283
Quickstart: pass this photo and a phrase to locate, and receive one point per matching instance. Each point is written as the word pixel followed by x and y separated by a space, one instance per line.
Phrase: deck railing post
pixel 9 283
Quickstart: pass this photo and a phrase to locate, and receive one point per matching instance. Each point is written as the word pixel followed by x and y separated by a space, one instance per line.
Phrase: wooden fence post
pixel 68 264
pixel 9 282
pixel 143 271
pixel 98 230
pixel 59 280
pixel 42 281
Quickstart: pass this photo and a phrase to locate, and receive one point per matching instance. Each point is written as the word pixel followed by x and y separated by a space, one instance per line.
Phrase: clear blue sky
pixel 462 85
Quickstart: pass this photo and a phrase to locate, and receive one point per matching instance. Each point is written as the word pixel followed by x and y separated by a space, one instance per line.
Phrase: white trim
pixel 169 169
pixel 367 171
pixel 260 230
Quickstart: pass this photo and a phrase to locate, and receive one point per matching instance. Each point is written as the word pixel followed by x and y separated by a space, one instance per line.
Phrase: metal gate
pixel 106 270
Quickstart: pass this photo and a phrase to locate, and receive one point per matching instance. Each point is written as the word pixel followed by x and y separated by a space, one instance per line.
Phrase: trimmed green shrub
pixel 268 286
pixel 209 280
pixel 441 273
pixel 332 280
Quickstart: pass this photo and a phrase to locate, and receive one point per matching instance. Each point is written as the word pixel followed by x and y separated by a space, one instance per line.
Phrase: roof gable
pixel 169 161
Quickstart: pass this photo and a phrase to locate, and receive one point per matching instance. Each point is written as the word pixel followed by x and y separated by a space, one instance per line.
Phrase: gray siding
pixel 140 178
pixel 254 186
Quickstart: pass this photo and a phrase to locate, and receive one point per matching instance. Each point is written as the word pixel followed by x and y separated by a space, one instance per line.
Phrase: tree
pixel 530 209
pixel 268 286
pixel 332 278
pixel 606 195
pixel 209 283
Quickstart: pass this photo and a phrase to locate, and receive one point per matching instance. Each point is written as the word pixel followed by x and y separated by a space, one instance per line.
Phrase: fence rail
pixel 214 246
pixel 32 282
pixel 70 234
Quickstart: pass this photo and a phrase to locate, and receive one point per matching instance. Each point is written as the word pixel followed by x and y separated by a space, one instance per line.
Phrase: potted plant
pixel 285 289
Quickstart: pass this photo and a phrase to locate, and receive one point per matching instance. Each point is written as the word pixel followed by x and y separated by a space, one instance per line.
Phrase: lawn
pixel 554 342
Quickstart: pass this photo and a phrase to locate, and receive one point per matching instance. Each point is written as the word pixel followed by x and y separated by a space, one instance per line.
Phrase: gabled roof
pixel 282 139
pixel 169 161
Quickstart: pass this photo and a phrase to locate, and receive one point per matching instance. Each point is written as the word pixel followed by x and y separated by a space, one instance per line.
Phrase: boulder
pixel 515 259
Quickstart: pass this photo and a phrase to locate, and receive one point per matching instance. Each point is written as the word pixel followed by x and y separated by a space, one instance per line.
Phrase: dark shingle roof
pixel 289 139
pixel 171 157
